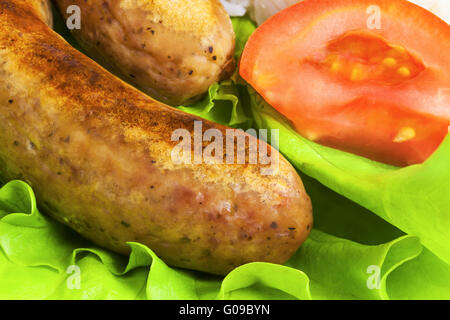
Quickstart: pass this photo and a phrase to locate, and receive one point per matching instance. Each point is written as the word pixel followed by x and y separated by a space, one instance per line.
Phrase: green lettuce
pixel 400 252
pixel 37 254
pixel 415 199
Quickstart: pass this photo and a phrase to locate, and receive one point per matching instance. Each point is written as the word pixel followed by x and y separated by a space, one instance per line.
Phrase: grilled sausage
pixel 99 156
pixel 171 50
pixel 43 10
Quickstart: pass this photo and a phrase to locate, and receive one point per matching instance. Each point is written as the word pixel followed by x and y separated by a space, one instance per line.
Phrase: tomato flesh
pixel 362 56
pixel 383 94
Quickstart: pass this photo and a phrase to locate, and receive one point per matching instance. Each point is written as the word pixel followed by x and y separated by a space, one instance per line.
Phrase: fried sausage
pixel 171 50
pixel 43 10
pixel 98 154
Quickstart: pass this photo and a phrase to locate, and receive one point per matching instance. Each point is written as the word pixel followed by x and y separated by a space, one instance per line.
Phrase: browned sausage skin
pixel 98 155
pixel 43 9
pixel 172 50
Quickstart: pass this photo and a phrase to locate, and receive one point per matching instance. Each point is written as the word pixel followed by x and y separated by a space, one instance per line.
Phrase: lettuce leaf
pixel 415 199
pixel 37 254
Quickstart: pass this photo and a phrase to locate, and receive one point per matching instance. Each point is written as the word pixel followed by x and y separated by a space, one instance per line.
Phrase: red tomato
pixel 371 77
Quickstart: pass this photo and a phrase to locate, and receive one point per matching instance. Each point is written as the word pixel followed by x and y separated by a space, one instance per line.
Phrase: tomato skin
pixel 343 92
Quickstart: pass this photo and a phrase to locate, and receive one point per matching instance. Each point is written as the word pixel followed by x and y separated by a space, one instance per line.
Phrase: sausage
pixel 99 156
pixel 172 50
pixel 43 10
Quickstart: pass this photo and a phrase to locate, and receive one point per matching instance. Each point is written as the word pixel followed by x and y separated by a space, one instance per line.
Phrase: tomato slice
pixel 371 77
